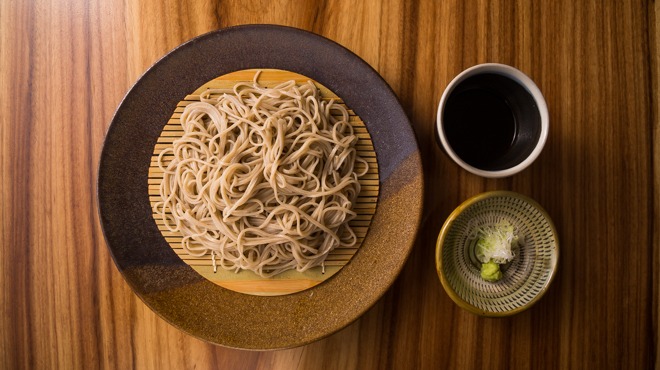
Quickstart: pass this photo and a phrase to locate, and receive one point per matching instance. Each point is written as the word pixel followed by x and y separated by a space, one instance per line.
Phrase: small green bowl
pixel 525 279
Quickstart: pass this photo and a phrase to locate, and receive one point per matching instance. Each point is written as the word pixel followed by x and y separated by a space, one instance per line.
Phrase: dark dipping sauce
pixel 491 121
pixel 480 126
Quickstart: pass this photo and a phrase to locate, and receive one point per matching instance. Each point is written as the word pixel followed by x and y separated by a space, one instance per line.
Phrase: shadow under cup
pixel 489 120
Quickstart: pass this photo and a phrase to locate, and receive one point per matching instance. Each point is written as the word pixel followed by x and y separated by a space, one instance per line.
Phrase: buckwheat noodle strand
pixel 263 178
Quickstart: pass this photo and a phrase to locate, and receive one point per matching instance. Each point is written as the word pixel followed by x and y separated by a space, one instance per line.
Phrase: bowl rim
pixel 441 239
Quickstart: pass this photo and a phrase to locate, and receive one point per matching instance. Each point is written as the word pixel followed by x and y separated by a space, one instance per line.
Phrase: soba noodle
pixel 262 178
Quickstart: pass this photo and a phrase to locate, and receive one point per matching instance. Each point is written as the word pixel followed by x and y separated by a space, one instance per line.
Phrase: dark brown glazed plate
pixel 173 289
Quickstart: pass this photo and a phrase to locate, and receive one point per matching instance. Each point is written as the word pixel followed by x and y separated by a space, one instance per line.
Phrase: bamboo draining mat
pixel 290 281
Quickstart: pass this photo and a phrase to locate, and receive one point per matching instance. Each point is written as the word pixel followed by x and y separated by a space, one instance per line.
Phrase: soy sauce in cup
pixel 492 120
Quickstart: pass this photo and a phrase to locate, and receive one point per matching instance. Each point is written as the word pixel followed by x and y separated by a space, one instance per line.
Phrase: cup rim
pixel 524 81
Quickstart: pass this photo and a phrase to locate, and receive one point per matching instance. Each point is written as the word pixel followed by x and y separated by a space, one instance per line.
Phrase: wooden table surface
pixel 65 66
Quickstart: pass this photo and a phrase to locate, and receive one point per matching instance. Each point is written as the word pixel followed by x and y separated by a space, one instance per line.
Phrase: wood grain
pixel 654 46
pixel 65 66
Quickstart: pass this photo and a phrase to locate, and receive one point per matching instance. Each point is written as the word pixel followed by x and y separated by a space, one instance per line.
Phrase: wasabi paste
pixel 491 271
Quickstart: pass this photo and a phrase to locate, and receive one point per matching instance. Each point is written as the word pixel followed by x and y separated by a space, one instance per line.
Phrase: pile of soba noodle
pixel 262 178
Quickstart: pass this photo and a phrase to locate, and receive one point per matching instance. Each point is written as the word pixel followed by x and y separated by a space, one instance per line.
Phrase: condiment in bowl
pixel 524 278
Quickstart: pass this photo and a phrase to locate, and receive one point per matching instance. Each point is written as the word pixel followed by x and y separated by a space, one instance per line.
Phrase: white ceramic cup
pixel 533 148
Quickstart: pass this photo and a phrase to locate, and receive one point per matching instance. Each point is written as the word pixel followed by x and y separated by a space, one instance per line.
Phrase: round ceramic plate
pixel 182 296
